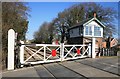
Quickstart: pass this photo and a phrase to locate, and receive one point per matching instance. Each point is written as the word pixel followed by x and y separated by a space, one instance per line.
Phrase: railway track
pixel 74 69
pixel 67 69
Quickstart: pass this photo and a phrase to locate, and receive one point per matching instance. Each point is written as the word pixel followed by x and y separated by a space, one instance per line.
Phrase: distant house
pixel 109 42
pixel 113 42
pixel 83 32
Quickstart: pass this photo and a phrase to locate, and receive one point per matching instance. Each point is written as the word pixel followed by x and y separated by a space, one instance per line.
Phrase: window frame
pixel 98 30
pixel 88 30
pixel 92 31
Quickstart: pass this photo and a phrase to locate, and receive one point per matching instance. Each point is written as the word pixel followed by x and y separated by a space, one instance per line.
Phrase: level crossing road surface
pixel 104 68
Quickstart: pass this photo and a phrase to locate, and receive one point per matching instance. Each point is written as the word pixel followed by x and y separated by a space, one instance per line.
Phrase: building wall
pixel 104 44
pixel 75 40
pixel 76 32
pixel 84 40
pixel 87 40
pixel 99 42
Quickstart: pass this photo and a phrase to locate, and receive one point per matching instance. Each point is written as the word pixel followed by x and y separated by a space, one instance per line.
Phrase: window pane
pixel 86 30
pixel 90 30
pixel 97 31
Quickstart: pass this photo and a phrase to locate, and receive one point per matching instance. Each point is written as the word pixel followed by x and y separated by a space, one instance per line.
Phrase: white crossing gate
pixel 39 53
pixel 75 51
pixel 44 53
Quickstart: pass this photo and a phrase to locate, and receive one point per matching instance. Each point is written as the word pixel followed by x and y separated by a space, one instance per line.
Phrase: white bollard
pixel 11 44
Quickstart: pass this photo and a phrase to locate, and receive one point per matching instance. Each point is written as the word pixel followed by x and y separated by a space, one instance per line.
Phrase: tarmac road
pixel 104 68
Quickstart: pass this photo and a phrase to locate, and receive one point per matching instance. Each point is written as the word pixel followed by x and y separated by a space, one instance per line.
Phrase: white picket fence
pixel 44 53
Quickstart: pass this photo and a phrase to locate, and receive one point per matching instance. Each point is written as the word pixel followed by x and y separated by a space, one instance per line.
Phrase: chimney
pixel 94 14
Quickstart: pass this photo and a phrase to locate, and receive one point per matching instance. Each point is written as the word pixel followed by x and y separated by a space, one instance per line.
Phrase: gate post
pixel 62 51
pixel 11 44
pixel 93 48
pixel 89 54
pixel 22 53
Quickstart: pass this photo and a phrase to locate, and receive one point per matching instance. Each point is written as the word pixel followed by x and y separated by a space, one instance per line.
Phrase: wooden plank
pixel 43 72
pixel 60 71
pixel 85 70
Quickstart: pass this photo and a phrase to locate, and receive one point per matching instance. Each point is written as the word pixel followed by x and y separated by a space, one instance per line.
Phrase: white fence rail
pixel 44 53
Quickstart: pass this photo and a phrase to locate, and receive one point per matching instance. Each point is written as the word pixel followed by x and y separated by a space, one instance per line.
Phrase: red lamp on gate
pixel 78 51
pixel 53 52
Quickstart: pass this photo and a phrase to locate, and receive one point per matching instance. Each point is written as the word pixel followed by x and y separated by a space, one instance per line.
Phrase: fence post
pixel 89 54
pixel 99 52
pixel 22 53
pixel 11 44
pixel 103 51
pixel 108 52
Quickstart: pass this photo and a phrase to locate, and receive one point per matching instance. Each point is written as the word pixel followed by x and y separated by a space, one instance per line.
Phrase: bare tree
pixel 80 12
pixel 45 33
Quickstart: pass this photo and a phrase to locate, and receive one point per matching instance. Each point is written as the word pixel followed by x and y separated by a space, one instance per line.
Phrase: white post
pixel 103 51
pixel 89 54
pixel 11 44
pixel 62 51
pixel 22 53
pixel 93 48
pixel 44 53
